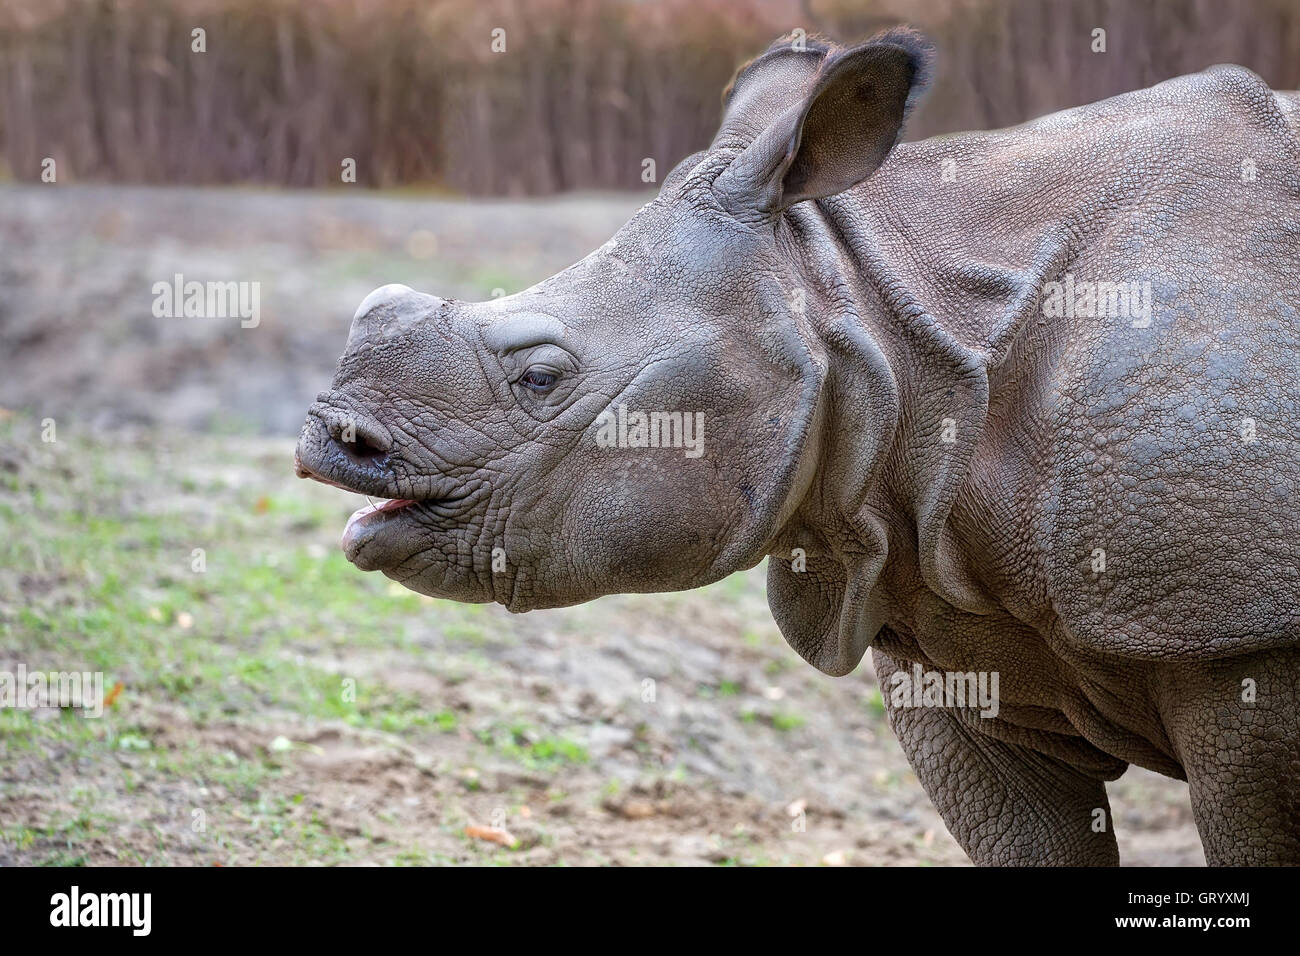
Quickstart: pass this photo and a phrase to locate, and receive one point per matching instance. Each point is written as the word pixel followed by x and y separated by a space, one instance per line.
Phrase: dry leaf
pixel 111 697
pixel 491 835
pixel 637 809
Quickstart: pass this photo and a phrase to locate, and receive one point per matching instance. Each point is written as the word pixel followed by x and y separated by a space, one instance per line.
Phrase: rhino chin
pixel 452 584
pixel 381 537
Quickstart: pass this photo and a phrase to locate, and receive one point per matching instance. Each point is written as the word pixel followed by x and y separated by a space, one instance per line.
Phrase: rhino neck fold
pixel 909 398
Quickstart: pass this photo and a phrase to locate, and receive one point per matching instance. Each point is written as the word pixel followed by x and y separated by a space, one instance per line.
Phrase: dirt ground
pixel 272 704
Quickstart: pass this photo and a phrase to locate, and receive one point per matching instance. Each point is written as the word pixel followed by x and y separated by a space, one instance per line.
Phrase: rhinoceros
pixel 1017 410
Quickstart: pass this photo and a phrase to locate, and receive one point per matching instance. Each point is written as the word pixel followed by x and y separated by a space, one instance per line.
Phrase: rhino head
pixel 653 417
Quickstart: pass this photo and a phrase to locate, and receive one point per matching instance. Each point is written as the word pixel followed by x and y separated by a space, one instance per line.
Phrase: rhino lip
pixel 367 519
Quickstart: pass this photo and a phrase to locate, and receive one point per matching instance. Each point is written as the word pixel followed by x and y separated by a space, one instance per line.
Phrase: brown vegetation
pixel 584 92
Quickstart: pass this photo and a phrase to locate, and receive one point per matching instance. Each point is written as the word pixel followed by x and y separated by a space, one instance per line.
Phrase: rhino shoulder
pixel 1229 92
pixel 1288 103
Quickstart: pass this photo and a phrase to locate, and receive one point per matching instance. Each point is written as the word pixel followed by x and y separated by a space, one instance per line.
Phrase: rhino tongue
pixel 359 516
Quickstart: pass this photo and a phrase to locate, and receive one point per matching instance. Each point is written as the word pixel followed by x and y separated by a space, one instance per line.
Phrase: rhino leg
pixel 1235 724
pixel 1006 805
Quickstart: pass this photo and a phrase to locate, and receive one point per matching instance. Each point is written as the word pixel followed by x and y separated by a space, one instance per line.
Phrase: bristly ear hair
pixel 814 45
pixel 921 54
pixel 838 132
pixel 824 48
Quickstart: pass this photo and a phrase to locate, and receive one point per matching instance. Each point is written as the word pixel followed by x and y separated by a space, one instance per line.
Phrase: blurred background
pixel 575 95
pixel 150 527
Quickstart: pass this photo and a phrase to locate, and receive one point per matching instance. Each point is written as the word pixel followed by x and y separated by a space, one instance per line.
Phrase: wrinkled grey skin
pixel 835 320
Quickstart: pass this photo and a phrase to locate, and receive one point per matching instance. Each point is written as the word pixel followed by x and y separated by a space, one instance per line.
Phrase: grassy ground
pixel 279 706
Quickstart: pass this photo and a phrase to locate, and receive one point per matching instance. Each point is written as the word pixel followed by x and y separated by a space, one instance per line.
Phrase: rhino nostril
pixel 360 447
pixel 357 439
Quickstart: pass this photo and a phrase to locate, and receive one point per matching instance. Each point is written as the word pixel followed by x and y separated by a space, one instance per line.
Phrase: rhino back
pixel 1158 447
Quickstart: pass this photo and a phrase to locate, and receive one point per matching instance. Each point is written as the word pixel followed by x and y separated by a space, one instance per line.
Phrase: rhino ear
pixel 838 134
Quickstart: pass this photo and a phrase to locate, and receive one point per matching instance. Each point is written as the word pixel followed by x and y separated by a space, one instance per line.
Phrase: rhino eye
pixel 538 381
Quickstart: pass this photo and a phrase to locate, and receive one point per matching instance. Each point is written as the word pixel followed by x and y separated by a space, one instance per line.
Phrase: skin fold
pixel 943 462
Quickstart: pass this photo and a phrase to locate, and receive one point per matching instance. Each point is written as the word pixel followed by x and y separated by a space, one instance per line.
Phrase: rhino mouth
pixel 385 517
